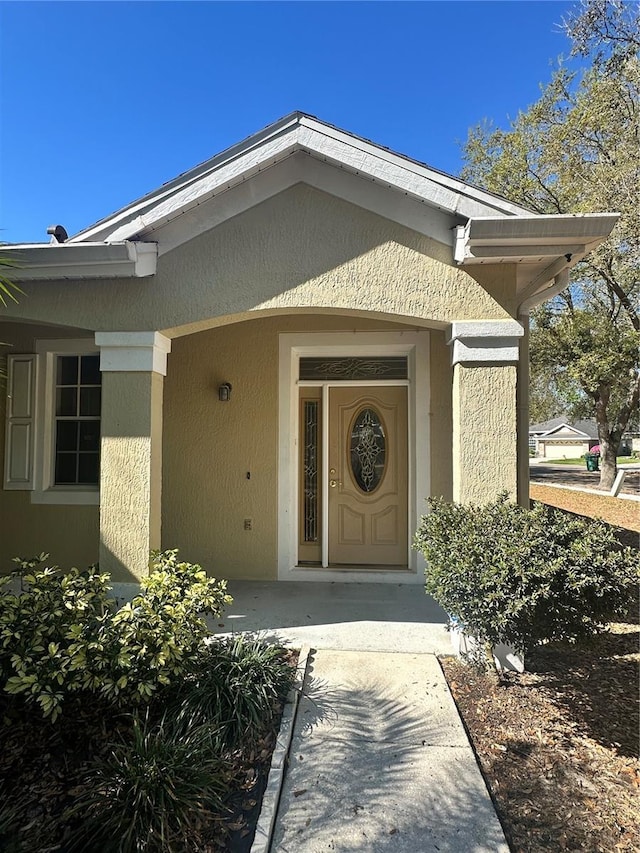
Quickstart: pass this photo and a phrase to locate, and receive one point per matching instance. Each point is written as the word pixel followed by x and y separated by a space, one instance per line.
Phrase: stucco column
pixel 133 366
pixel 484 355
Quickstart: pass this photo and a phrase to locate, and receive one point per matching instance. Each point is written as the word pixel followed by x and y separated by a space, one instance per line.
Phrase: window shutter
pixel 20 427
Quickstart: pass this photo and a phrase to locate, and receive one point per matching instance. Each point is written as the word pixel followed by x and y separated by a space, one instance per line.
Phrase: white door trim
pixel 413 344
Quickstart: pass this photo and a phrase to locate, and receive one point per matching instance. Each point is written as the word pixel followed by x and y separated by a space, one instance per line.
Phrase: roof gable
pixel 278 143
pixel 474 226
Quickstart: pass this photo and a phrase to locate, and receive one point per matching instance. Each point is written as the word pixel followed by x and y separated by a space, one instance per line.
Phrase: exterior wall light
pixel 224 392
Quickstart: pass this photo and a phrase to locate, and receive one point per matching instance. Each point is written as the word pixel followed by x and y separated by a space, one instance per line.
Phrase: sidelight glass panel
pixel 310 504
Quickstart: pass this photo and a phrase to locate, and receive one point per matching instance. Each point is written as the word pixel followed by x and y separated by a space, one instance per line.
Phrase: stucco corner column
pixel 484 355
pixel 133 366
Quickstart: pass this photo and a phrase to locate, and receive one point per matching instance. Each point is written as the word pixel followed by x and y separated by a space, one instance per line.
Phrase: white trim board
pixel 413 344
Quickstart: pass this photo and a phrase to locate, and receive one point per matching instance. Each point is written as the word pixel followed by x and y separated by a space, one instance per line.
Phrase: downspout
pixel 560 283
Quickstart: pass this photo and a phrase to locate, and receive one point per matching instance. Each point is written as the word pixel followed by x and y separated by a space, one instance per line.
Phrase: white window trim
pixel 44 491
pixel 415 345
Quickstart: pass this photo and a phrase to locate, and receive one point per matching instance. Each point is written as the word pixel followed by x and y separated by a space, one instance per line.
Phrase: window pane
pixel 90 370
pixel 67 370
pixel 66 402
pixel 368 449
pixel 90 401
pixel 66 435
pixel 88 468
pixel 326 367
pixel 89 435
pixel 65 468
pixel 311 453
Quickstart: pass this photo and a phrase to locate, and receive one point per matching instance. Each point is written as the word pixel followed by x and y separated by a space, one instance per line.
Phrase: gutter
pixel 550 245
pixel 48 261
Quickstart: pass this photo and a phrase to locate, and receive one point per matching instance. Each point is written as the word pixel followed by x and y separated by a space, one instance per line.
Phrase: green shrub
pixel 42 627
pixel 235 684
pixel 63 635
pixel 162 629
pixel 523 577
pixel 153 791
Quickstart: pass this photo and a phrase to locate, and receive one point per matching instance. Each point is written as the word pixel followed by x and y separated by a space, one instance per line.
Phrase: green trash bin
pixel 592 460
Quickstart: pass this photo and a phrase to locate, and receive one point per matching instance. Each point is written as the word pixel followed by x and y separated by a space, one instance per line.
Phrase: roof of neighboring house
pixel 554 427
pixel 545 426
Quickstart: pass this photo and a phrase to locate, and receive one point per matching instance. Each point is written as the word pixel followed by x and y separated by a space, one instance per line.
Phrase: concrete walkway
pixel 365 616
pixel 379 759
pixel 379 762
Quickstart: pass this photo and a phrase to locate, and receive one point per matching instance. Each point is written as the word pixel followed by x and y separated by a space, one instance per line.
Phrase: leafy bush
pixel 523 577
pixel 153 791
pixel 42 628
pixel 235 684
pixel 63 634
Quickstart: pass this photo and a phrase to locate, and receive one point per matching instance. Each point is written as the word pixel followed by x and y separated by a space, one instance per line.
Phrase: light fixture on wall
pixel 224 392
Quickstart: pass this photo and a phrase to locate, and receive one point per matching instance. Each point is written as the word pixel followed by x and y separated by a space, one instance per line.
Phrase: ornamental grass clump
pixel 523 577
pixel 236 684
pixel 153 791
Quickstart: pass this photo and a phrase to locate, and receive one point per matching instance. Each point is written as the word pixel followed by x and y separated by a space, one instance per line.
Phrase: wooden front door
pixel 367 473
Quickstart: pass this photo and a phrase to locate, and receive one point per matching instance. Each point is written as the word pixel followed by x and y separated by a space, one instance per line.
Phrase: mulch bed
pixel 559 744
pixel 41 769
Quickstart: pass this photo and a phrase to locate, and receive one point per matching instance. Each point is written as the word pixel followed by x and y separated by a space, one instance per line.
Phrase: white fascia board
pixel 298 168
pixel 371 165
pixel 459 187
pixel 101 229
pixel 224 178
pixel 560 230
pixel 575 433
pixel 43 261
pixel 299 133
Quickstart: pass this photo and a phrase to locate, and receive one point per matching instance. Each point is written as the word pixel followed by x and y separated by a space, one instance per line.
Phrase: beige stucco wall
pixel 441 380
pixel 68 533
pixel 484 432
pixel 300 249
pixel 329 265
pixel 130 470
pixel 210 446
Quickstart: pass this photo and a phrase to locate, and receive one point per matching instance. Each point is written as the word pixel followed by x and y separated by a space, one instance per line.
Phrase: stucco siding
pixel 68 533
pixel 210 447
pixel 441 375
pixel 484 432
pixel 300 249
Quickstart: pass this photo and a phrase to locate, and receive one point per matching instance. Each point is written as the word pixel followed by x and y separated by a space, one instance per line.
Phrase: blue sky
pixel 102 102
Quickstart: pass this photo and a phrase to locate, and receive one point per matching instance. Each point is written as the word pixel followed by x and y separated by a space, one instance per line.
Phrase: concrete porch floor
pixel 349 616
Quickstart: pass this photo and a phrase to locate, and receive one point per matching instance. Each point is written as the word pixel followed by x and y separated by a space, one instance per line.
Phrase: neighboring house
pixel 272 360
pixel 559 439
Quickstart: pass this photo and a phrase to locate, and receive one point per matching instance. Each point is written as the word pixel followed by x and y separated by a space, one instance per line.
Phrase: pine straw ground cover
pixel 558 745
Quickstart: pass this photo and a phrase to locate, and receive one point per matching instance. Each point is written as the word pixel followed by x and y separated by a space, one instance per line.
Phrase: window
pixel 53 422
pixel 77 420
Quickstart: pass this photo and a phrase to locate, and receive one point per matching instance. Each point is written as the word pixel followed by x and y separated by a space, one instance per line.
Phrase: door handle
pixel 334 483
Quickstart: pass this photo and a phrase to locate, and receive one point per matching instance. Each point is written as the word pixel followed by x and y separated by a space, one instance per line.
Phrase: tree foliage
pixel 577 150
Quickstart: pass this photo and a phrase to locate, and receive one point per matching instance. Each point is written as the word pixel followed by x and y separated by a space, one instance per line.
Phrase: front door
pixel 367 476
